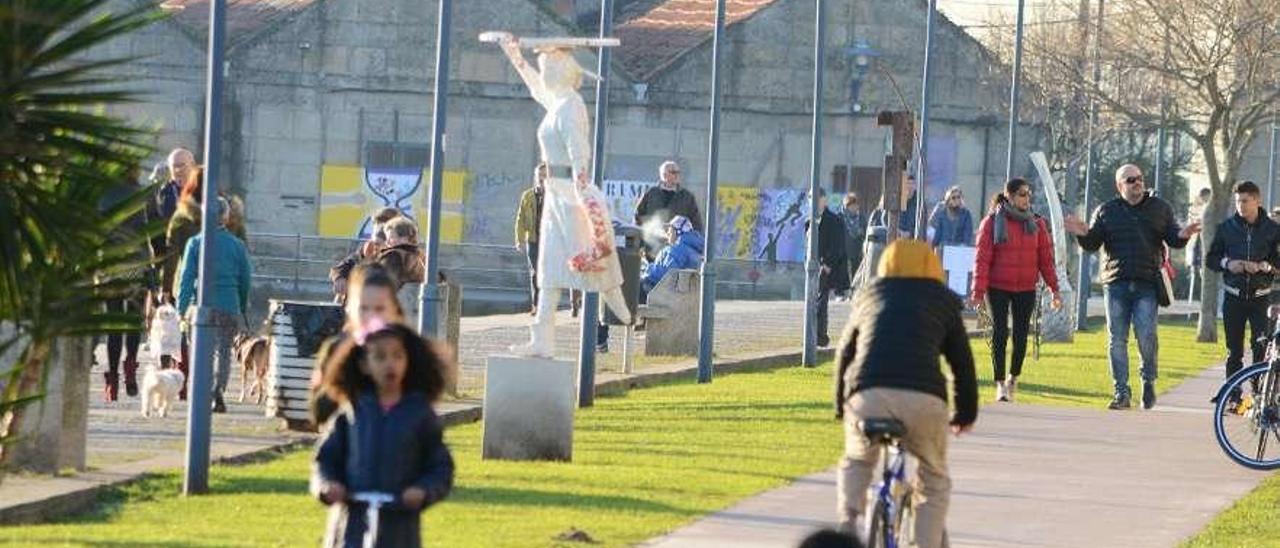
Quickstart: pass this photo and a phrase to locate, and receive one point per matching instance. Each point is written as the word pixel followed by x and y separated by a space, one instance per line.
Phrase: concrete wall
pixel 317 87
pixel 168 75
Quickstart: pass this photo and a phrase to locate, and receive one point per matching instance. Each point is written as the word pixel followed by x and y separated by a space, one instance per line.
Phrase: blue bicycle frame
pixel 894 471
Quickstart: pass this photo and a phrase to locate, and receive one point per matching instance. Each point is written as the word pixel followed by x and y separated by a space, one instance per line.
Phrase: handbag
pixel 1164 293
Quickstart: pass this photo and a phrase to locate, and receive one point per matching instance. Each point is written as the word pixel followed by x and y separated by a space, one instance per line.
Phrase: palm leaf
pixel 61 258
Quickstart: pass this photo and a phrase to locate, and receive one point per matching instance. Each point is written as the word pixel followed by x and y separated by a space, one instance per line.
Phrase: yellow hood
pixel 906 258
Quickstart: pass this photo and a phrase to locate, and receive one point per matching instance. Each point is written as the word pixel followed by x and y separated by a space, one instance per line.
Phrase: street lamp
pixel 861 54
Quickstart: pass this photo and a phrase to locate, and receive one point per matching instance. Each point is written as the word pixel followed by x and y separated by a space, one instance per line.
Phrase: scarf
pixel 1027 218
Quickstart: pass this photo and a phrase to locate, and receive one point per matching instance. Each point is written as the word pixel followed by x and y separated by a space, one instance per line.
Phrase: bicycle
pixel 373 501
pixel 893 494
pixel 1247 411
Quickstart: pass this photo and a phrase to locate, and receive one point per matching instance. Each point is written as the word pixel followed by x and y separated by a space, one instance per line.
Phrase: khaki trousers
pixel 926 418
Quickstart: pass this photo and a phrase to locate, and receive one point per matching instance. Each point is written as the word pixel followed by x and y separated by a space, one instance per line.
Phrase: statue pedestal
pixel 528 408
pixel 1059 325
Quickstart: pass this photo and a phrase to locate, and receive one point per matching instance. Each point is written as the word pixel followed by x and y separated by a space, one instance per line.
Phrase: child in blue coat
pixel 385 438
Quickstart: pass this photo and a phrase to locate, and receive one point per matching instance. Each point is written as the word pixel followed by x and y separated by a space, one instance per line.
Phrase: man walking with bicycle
pixel 1244 250
pixel 888 368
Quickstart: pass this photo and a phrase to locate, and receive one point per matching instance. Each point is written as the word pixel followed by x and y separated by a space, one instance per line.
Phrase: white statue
pixel 576 243
pixel 1057 325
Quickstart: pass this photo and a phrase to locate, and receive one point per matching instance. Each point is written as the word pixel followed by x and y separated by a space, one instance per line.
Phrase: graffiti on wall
pixel 349 195
pixel 779 230
pixel 623 197
pixel 736 219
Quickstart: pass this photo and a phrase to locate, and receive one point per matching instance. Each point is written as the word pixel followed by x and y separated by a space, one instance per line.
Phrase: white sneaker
pixel 1011 386
pixel 1001 393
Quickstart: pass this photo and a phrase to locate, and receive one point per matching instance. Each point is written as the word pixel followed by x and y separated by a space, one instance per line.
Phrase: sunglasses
pixel 1133 180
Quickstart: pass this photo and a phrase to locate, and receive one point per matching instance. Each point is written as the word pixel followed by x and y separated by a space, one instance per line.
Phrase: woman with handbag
pixel 1014 253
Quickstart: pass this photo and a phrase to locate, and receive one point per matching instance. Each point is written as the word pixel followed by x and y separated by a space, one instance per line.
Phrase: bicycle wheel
pixel 879 529
pixel 1247 425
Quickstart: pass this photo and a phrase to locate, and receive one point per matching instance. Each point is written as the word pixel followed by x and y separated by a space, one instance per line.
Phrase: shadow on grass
pixel 260 485
pixel 133 543
pixel 506 496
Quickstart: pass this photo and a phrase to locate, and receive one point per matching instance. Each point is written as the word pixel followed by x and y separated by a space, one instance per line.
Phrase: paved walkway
pixel 1039 476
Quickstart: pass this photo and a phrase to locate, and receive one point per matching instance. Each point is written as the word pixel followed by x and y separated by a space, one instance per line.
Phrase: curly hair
pixel 343 379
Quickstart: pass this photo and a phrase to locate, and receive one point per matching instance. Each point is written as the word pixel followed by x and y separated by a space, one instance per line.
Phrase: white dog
pixel 160 389
pixel 165 339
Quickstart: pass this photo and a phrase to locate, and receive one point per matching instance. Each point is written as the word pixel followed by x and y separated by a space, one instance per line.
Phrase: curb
pixel 78 500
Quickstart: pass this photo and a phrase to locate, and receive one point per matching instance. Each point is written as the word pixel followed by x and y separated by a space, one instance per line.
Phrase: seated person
pixel 685 251
pixel 402 258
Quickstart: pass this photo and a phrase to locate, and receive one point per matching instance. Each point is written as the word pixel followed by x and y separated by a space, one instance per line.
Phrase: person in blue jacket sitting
pixel 685 251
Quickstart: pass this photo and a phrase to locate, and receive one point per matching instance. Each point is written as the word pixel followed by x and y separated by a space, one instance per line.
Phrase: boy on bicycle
pixel 888 367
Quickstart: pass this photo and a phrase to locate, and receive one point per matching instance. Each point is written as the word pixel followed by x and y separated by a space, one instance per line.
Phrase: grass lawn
pixel 1078 374
pixel 644 463
pixel 1251 521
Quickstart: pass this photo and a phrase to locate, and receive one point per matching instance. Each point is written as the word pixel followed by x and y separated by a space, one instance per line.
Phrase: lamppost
pixel 860 53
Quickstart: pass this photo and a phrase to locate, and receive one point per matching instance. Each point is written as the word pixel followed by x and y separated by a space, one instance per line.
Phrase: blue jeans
pixel 1131 302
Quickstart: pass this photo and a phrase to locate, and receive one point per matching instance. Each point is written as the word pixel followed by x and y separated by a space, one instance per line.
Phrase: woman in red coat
pixel 1014 252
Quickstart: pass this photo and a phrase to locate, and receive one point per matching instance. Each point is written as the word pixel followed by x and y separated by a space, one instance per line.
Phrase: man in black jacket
pixel 1131 229
pixel 888 367
pixel 666 200
pixel 1245 251
pixel 833 275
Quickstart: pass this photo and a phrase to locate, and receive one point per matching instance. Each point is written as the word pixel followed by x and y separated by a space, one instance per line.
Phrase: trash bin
pixel 630 242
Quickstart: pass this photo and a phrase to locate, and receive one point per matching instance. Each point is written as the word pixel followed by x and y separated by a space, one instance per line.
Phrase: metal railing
pixel 298 259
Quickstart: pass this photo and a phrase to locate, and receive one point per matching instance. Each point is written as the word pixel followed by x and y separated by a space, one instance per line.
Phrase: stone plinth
pixel 528 408
pixel 671 315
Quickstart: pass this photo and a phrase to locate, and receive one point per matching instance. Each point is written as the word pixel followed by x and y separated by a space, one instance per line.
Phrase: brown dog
pixel 252 353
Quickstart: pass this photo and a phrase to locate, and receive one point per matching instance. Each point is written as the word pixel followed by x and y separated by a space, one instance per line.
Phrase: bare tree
pixel 1212 62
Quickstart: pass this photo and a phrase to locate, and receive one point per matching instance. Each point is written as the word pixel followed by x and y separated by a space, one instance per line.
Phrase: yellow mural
pixel 350 194
pixel 738 211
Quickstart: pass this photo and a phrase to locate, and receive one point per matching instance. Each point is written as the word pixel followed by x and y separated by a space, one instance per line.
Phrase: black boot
pixel 111 392
pixel 1120 401
pixel 131 378
pixel 218 405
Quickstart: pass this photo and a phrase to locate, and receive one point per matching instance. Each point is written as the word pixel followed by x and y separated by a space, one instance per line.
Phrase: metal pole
pixel 811 282
pixel 986 157
pixel 1159 159
pixel 429 297
pixel 195 479
pixel 1082 281
pixel 297 260
pixel 922 164
pixel 591 301
pixel 707 310
pixel 1271 166
pixel 1161 132
pixel 1014 91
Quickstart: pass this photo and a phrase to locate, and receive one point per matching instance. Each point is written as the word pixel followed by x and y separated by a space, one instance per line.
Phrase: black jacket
pixel 1237 239
pixel 898 329
pixel 666 204
pixel 1130 238
pixel 831 251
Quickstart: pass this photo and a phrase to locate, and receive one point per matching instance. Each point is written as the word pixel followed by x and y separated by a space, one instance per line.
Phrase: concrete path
pixel 1039 476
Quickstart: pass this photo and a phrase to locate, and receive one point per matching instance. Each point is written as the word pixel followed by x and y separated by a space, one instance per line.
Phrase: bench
pixel 671 315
